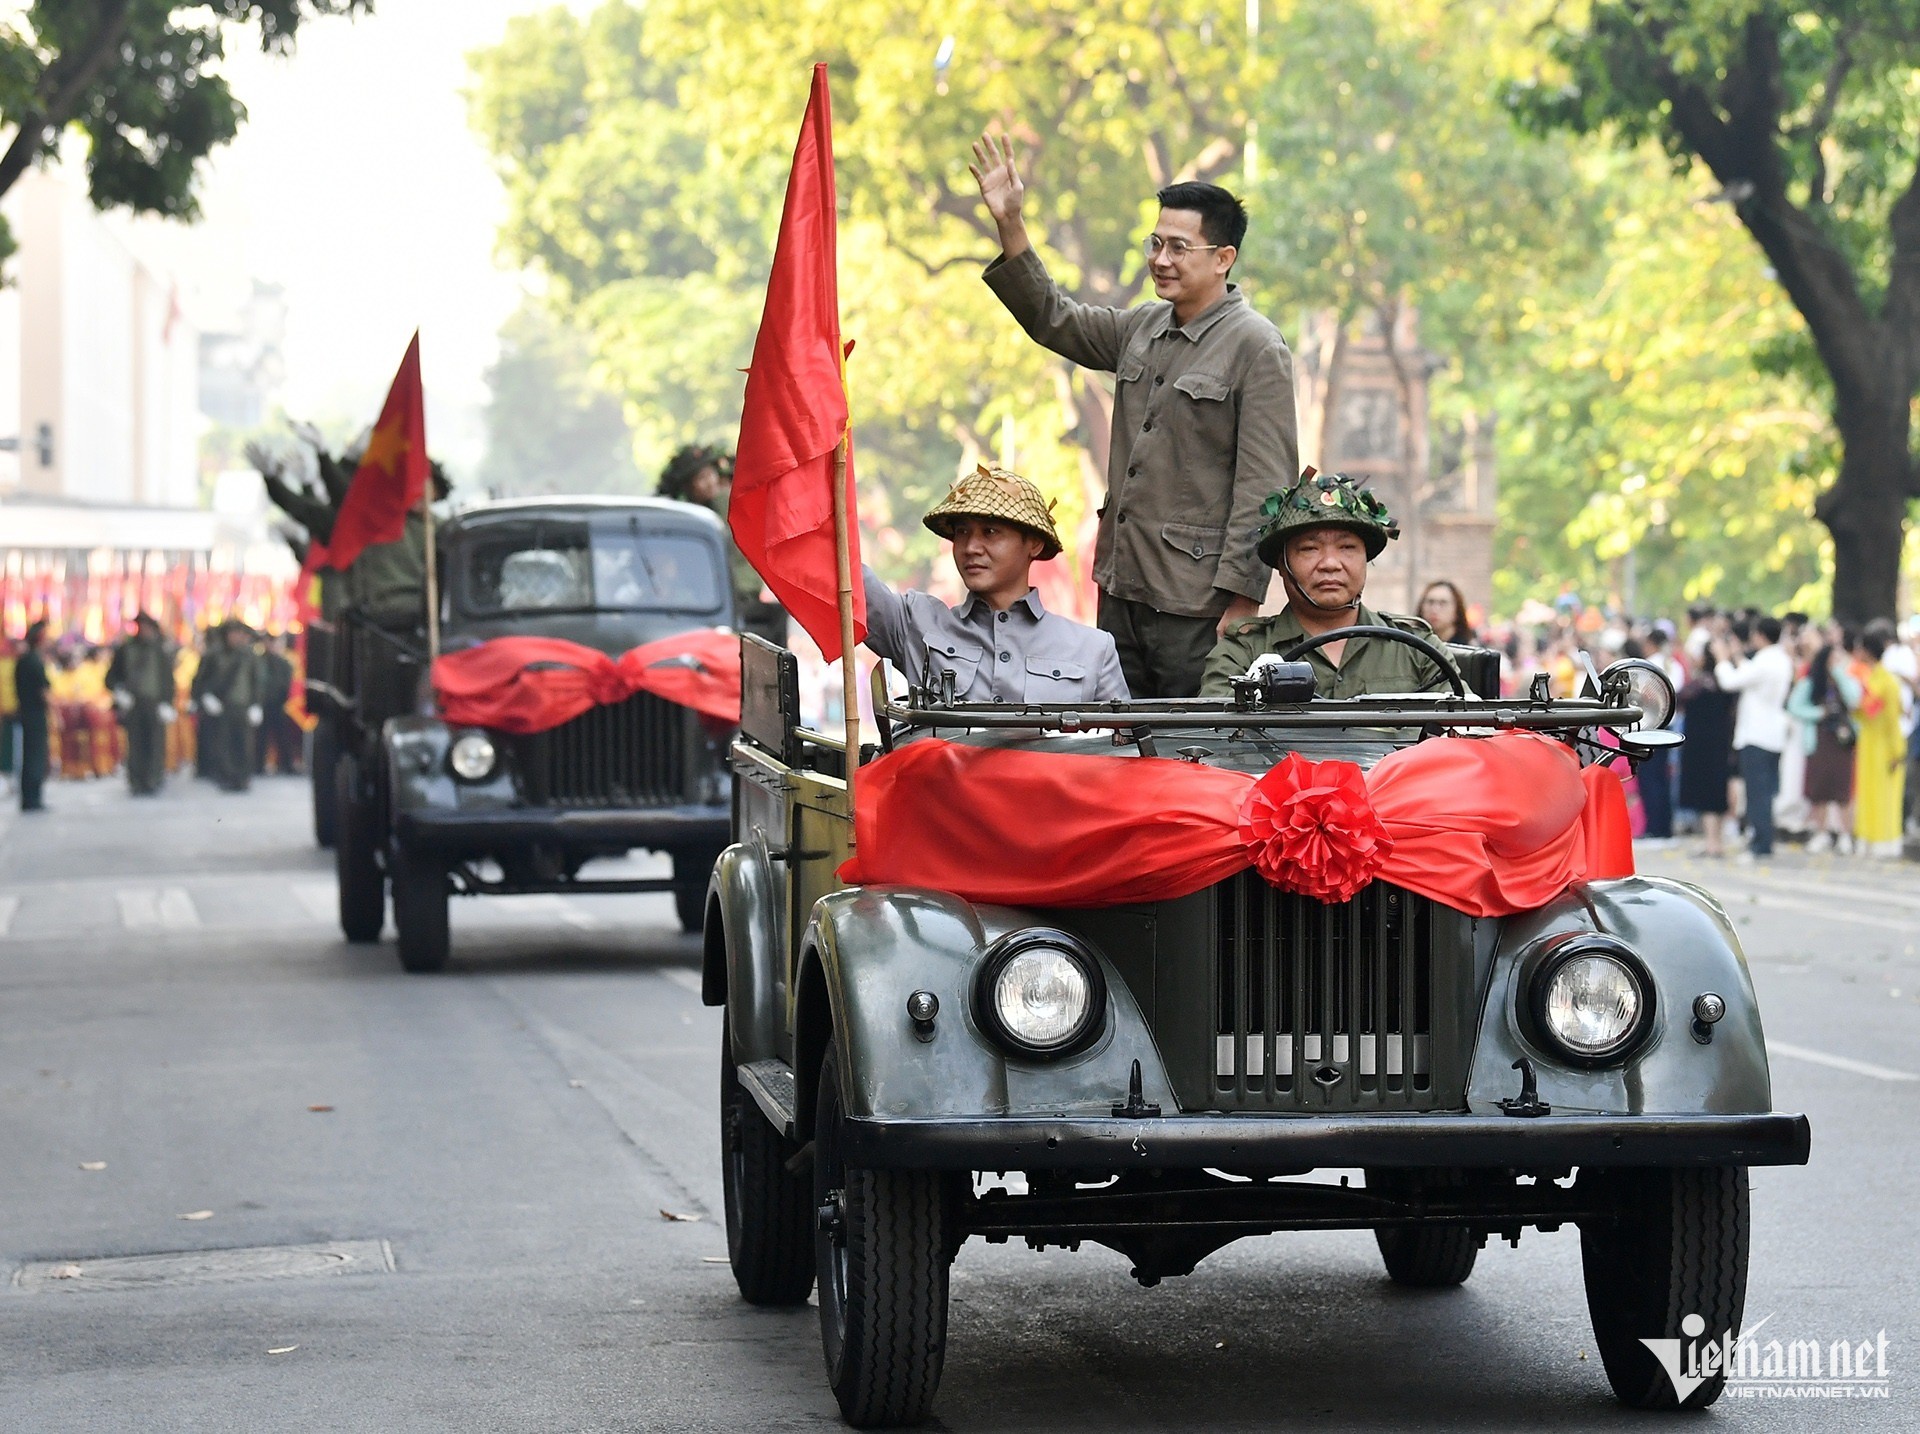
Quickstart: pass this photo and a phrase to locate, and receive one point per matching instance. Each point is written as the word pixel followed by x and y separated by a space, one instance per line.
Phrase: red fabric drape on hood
pixel 530 684
pixel 1490 826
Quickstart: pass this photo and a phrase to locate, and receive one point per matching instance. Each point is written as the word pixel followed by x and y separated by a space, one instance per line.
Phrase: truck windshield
pixel 573 567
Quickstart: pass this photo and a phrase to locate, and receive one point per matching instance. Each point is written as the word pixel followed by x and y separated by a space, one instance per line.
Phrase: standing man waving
pixel 1203 422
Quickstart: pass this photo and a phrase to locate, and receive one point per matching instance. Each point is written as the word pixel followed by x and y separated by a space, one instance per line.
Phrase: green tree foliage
pixel 1645 443
pixel 551 428
pixel 645 153
pixel 139 79
pixel 1807 114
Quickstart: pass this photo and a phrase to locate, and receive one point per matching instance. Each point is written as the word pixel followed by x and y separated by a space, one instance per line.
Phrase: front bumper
pixel 479 833
pixel 1298 1143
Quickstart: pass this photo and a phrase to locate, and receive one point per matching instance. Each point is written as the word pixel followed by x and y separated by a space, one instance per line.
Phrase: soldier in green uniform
pixel 705 476
pixel 227 688
pixel 1320 534
pixel 140 677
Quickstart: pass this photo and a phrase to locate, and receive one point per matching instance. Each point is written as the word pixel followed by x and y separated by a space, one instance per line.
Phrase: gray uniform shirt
pixel 1025 654
pixel 1203 431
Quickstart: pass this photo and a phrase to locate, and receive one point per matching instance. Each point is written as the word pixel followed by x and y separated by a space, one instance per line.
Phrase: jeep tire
pixel 769 1205
pixel 1671 1264
pixel 356 862
pixel 420 909
pixel 881 1252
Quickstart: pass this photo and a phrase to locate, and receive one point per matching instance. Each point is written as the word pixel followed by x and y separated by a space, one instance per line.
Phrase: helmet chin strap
pixel 1286 566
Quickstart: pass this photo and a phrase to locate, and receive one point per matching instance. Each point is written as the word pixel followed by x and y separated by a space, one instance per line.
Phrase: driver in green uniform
pixel 1320 534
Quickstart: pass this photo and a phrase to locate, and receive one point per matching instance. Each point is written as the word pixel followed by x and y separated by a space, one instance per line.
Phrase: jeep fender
pixel 416 764
pixel 1689 946
pixel 741 959
pixel 868 948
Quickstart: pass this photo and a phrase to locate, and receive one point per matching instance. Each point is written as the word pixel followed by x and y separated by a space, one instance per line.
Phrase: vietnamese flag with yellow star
pixel 392 474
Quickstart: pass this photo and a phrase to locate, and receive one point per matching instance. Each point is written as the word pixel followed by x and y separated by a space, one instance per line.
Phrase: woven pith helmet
pixel 1324 500
pixel 997 493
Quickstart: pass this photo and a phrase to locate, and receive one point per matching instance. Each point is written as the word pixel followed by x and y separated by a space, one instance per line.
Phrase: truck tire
pixel 420 910
pixel 1428 1256
pixel 323 755
pixel 1671 1265
pixel 769 1207
pixel 1424 1256
pixel 356 864
pixel 881 1252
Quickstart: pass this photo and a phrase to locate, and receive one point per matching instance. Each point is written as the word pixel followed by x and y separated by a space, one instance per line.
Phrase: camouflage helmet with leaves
pixel 1324 500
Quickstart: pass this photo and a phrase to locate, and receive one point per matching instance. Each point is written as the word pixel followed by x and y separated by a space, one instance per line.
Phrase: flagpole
pixel 433 573
pixel 843 558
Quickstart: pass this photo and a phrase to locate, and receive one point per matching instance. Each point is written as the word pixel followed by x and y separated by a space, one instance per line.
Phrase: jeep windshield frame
pixel 1573 714
pixel 598 552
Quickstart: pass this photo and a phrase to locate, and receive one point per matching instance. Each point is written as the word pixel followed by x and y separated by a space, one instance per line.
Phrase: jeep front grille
pixel 1356 1006
pixel 625 754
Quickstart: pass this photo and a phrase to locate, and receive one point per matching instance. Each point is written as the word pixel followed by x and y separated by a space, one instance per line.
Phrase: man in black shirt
pixel 30 684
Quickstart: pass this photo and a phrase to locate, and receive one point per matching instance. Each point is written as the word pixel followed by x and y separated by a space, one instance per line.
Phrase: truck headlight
pixel 1592 999
pixel 1040 993
pixel 472 756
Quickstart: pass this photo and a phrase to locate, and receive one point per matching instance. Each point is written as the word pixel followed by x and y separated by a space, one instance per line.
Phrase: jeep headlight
pixel 1592 999
pixel 1040 993
pixel 472 756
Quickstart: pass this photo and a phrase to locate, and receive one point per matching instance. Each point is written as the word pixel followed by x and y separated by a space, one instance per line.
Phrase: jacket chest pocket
pixel 1202 544
pixel 944 657
pixel 1055 679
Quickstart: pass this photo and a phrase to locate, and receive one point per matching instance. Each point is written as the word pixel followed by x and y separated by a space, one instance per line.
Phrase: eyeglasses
pixel 1177 249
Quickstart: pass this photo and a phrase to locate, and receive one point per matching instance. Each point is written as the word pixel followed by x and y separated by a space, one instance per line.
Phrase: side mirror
pixel 1638 744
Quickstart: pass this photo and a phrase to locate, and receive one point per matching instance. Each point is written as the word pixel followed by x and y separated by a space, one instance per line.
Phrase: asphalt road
pixel 470 1234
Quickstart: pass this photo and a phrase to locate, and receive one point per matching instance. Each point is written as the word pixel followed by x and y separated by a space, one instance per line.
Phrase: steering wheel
pixel 1440 655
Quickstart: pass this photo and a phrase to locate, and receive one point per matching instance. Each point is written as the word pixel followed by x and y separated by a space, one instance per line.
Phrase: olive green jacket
pixel 143 666
pixel 387 583
pixel 1203 431
pixel 1367 664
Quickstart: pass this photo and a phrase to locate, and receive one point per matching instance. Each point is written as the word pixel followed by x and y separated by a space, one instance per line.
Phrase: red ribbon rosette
pixel 1310 828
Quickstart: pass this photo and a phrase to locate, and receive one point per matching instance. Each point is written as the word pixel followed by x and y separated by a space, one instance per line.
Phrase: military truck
pixel 902 1068
pixel 429 810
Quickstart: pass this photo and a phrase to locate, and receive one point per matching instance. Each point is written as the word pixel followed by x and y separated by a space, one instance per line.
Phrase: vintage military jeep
pixel 433 810
pixel 1159 1072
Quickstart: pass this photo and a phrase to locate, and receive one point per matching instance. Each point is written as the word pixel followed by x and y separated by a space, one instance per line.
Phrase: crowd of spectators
pixel 1796 730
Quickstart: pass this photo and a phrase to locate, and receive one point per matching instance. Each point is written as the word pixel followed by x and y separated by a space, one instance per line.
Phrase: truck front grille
pixel 1355 1006
pixel 625 754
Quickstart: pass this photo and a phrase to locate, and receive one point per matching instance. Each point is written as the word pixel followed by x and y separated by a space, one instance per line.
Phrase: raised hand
pixel 994 170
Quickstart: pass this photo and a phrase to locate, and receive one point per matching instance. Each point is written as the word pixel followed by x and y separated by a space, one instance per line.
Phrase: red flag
pixel 795 411
pixel 392 473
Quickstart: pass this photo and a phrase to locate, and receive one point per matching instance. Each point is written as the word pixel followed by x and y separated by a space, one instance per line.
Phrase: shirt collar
pixel 974 603
pixel 1196 328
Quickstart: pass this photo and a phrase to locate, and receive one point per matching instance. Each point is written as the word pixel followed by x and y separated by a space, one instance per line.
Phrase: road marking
pixel 1813 908
pixel 1840 890
pixel 8 905
pixel 168 908
pixel 319 899
pixel 1839 1063
pixel 682 977
pixel 580 920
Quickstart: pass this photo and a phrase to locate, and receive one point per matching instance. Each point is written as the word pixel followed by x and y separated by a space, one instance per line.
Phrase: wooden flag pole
pixel 433 572
pixel 843 558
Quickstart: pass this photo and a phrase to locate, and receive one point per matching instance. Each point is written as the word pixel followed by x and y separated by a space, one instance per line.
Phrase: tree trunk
pixel 63 85
pixel 1866 508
